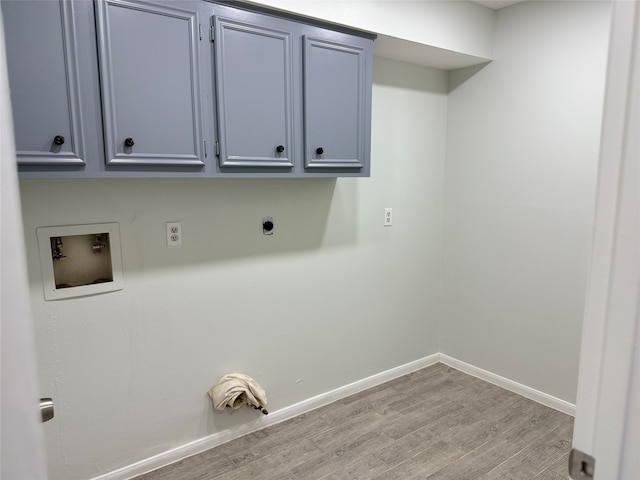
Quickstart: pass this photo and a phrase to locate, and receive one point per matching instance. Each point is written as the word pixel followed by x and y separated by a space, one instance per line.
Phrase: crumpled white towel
pixel 236 389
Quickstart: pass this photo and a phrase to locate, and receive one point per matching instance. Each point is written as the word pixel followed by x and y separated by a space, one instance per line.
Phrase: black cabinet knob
pixel 128 142
pixel 319 151
pixel 267 225
pixel 280 148
pixel 58 140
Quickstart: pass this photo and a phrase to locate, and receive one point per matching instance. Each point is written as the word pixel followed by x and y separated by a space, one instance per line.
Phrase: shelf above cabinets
pixel 185 88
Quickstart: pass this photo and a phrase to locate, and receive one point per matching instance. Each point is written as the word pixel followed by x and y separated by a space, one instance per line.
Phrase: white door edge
pixel 609 350
pixel 21 434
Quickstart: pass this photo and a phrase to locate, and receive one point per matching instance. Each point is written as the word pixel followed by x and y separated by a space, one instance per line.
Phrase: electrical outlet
pixel 174 234
pixel 388 217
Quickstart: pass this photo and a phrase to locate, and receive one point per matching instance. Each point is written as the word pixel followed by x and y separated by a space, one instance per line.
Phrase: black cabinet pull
pixel 128 142
pixel 58 140
pixel 280 148
pixel 319 151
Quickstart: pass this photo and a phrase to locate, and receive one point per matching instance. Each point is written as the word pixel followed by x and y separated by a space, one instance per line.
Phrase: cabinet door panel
pixel 334 108
pixel 254 94
pixel 43 76
pixel 151 91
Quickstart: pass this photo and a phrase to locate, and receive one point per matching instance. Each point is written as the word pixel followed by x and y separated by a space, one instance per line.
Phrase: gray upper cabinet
pixel 43 78
pixel 293 98
pixel 334 104
pixel 254 87
pixel 185 88
pixel 149 70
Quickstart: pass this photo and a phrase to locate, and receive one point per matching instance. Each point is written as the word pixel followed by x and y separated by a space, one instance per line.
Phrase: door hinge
pixel 581 465
pixel 212 34
pixel 205 149
pixel 200 30
pixel 217 149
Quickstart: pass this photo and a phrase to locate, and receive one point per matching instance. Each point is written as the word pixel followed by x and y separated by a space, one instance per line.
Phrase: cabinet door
pixel 150 83
pixel 254 94
pixel 334 104
pixel 43 77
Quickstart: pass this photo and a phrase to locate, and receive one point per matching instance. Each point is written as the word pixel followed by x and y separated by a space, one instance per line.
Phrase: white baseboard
pixel 205 443
pixel 515 387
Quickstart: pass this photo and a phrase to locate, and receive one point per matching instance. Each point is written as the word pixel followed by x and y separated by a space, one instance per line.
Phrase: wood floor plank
pixel 365 468
pixel 429 460
pixel 204 466
pixel 363 411
pixel 488 422
pixel 557 470
pixel 289 455
pixel 407 423
pixel 467 427
pixel 464 396
pixel 432 391
pixel 549 475
pixel 534 458
pixel 264 468
pixel 341 457
pixel 491 454
pixel 351 434
pixel 294 432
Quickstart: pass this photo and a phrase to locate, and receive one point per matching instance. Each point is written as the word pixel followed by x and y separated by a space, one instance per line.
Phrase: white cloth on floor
pixel 236 389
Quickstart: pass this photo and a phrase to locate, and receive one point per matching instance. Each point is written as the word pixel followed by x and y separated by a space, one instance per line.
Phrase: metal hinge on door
pixel 581 465
pixel 212 34
pixel 217 149
pixel 205 149
pixel 200 30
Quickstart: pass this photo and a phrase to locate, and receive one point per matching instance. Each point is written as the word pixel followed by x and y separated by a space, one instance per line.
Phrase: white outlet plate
pixel 174 234
pixel 388 217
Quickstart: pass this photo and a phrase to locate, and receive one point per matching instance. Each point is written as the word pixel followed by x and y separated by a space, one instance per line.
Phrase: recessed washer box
pixel 79 260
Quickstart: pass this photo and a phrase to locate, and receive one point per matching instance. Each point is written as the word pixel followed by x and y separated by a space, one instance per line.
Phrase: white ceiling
pixel 496 4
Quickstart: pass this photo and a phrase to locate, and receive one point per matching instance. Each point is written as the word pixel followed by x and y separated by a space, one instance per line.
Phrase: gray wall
pixel 522 150
pixel 332 297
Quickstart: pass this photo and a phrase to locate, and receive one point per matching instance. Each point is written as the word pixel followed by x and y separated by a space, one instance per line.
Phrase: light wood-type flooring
pixel 436 423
